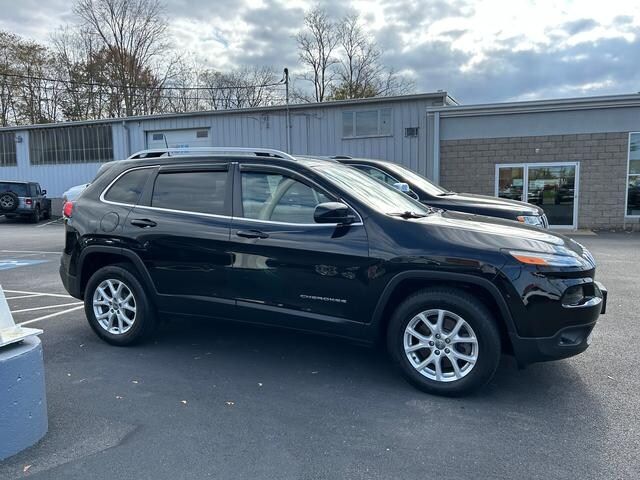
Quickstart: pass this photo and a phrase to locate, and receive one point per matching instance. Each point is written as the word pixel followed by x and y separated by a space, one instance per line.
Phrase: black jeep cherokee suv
pixel 434 195
pixel 317 245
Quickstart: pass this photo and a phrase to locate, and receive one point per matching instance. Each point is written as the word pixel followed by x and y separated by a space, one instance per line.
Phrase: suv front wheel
pixel 117 306
pixel 445 341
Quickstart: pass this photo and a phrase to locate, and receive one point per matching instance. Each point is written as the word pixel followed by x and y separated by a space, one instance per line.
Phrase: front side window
pixel 378 196
pixel 366 123
pixel 278 198
pixel 633 177
pixel 413 179
pixel 128 188
pixel 377 174
pixel 191 191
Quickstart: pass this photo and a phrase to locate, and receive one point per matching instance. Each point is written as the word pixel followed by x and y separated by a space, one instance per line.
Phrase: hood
pixel 488 204
pixel 479 231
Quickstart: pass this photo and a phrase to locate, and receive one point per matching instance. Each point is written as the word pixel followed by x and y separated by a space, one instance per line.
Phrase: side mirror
pixel 333 212
pixel 403 187
pixel 406 189
pixel 43 192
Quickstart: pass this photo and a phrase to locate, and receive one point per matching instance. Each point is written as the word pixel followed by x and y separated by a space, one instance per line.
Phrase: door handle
pixel 252 234
pixel 143 222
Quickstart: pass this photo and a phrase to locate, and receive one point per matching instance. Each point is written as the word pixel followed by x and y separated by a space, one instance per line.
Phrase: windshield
pixel 370 191
pixel 416 180
pixel 19 189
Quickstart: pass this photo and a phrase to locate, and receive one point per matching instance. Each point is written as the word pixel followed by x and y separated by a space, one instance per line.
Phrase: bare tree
pixel 316 45
pixel 360 72
pixel 132 34
pixel 8 89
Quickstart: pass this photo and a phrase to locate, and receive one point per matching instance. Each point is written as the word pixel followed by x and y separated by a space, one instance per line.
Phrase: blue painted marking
pixel 9 263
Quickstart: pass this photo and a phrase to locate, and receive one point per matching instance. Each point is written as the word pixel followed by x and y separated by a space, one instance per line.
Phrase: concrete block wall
pixel 469 166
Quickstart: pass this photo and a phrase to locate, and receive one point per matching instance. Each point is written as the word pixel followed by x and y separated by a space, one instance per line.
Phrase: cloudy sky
pixel 478 51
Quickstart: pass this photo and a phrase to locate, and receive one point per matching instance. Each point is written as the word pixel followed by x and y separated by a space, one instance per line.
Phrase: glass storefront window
pixel 633 177
pixel 511 183
pixel 551 186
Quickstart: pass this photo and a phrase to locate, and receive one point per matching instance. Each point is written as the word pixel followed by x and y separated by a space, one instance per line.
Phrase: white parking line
pixel 30 251
pixel 69 310
pixel 45 307
pixel 25 296
pixel 60 295
pixel 45 224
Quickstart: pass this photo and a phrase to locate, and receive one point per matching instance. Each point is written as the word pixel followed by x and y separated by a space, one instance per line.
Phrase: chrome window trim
pixel 213 215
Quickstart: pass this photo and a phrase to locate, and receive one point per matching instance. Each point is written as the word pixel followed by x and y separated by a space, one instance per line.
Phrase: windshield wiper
pixel 446 193
pixel 408 214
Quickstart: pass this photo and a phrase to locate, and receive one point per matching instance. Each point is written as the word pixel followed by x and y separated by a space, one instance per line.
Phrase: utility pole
pixel 286 90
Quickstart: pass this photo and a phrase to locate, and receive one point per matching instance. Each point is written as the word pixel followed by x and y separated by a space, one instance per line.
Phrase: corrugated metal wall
pixel 314 131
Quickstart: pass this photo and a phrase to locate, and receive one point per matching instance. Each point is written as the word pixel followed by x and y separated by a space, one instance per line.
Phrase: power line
pixel 155 94
pixel 108 85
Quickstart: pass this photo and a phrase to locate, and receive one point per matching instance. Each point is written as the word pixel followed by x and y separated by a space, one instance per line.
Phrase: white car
pixel 72 194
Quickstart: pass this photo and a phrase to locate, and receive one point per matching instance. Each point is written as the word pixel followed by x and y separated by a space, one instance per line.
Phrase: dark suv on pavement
pixel 24 199
pixel 315 245
pixel 434 195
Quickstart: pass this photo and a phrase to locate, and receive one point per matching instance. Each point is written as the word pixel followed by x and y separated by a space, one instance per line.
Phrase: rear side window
pixel 128 188
pixel 20 189
pixel 197 191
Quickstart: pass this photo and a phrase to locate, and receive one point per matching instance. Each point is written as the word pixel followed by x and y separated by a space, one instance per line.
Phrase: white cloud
pixel 479 51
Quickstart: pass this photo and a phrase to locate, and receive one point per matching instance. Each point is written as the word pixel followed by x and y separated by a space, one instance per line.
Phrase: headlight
pixel 549 259
pixel 535 220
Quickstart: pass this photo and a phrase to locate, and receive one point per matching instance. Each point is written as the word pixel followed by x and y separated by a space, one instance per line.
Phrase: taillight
pixel 67 209
pixel 28 201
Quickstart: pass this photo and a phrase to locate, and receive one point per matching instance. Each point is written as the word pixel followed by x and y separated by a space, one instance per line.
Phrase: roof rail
pixel 258 152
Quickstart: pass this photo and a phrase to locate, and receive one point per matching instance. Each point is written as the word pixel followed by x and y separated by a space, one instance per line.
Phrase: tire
pixel 143 319
pixel 476 323
pixel 47 214
pixel 35 216
pixel 9 201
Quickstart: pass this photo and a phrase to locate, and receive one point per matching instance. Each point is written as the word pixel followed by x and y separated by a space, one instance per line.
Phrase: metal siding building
pixel 315 129
pixel 574 157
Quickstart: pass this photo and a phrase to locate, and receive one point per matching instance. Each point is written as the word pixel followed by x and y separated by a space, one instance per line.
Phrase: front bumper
pixel 567 341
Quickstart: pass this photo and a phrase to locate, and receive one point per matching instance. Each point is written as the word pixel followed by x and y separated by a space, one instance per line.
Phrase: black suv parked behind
pixel 24 199
pixel 434 195
pixel 311 244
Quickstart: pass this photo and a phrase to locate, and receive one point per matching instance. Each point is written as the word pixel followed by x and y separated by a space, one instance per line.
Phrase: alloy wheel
pixel 441 345
pixel 114 306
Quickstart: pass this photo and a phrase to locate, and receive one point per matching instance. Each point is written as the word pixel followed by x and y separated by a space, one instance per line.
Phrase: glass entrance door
pixel 552 186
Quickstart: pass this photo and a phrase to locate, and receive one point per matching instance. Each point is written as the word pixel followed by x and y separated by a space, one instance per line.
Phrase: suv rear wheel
pixel 117 306
pixel 444 341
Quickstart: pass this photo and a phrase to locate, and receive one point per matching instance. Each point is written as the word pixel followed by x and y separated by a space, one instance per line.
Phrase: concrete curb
pixel 23 405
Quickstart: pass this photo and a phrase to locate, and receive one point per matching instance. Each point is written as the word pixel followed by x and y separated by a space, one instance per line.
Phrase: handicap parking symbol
pixel 8 263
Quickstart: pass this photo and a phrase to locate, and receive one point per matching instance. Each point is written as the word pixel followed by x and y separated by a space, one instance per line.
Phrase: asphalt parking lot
pixel 217 400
